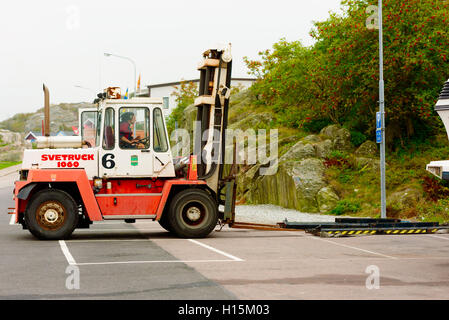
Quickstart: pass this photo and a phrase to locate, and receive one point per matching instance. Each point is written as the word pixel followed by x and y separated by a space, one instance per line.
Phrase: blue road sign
pixel 379 135
pixel 378 120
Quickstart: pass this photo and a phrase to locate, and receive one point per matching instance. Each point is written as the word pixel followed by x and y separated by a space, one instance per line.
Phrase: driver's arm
pixel 133 141
pixel 124 139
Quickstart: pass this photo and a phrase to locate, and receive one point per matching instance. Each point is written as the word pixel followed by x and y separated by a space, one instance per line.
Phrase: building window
pixel 166 103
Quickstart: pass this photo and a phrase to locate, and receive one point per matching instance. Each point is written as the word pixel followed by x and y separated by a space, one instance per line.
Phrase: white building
pixel 165 90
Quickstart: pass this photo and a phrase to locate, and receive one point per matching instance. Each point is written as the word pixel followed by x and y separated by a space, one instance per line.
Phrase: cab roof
pixel 137 100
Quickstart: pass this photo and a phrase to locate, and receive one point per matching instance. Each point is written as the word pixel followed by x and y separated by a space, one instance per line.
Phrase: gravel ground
pixel 271 214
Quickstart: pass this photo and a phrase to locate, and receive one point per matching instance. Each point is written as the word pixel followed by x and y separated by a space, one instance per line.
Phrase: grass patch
pixel 433 211
pixel 6 164
pixel 346 206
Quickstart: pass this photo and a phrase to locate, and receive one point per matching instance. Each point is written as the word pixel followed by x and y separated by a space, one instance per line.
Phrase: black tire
pixel 51 215
pixel 192 214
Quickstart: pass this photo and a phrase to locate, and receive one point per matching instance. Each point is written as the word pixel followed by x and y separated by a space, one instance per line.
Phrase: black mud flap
pixel 25 191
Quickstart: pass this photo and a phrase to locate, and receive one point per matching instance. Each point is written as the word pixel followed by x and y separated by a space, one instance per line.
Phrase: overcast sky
pixel 61 42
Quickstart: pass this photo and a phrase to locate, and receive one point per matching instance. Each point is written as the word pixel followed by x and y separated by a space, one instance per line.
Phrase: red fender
pixel 166 191
pixel 60 175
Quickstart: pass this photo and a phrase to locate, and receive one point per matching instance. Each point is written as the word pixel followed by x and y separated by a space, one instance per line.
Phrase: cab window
pixel 159 138
pixel 89 124
pixel 98 128
pixel 134 128
pixel 109 129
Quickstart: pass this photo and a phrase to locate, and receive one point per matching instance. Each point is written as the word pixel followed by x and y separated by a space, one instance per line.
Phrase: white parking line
pixel 66 252
pixel 355 248
pixel 12 221
pixel 151 261
pixel 216 250
pixel 107 240
pixel 438 237
pixel 72 261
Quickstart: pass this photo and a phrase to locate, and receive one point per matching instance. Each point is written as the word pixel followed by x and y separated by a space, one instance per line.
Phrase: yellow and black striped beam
pixel 365 232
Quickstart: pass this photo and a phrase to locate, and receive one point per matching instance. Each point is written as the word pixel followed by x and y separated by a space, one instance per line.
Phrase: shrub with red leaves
pixel 336 162
pixel 434 188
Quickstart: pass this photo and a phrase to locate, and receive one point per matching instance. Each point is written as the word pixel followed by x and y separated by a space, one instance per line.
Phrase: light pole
pixel 81 87
pixel 134 64
pixel 383 201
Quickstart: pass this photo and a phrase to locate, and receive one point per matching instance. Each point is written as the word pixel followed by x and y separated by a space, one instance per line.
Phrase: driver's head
pixel 127 117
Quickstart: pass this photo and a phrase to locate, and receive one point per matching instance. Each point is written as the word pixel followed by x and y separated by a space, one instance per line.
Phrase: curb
pixel 10 170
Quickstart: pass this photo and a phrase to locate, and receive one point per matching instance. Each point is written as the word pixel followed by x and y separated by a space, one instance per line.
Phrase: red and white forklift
pixel 120 167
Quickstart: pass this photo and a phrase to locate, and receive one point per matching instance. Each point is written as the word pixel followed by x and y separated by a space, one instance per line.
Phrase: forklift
pixel 120 167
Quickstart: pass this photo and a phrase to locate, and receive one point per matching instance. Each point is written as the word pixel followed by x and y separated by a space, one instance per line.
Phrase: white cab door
pixel 126 138
pixel 163 159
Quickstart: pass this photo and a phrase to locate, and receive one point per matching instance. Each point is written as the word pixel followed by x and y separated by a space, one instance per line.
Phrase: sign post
pixel 383 202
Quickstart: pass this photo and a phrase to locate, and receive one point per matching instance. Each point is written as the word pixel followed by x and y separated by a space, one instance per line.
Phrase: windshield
pixel 134 128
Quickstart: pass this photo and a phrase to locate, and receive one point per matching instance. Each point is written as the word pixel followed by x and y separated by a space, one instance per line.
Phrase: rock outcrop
pixel 341 137
pixel 299 182
pixel 12 145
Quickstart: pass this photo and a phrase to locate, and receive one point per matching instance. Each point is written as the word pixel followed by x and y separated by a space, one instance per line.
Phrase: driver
pixel 127 121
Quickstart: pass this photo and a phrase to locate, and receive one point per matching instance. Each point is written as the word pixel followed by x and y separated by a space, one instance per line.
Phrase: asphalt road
pixel 141 261
pixel 34 269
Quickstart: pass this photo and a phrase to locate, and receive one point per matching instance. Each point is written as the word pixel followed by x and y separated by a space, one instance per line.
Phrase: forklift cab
pixel 130 136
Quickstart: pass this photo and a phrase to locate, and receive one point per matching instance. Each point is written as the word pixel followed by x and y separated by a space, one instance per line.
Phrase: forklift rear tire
pixel 193 214
pixel 51 215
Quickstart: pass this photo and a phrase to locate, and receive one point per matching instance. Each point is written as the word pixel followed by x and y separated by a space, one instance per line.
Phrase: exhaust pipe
pixel 54 142
pixel 46 132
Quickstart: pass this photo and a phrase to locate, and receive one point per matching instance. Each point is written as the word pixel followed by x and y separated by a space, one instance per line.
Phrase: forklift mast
pixel 212 115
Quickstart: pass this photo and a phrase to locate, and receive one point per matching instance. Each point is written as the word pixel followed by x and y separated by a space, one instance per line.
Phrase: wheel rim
pixel 51 215
pixel 193 213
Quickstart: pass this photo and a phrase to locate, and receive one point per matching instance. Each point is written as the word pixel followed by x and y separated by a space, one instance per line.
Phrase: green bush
pixel 315 125
pixel 357 138
pixel 345 206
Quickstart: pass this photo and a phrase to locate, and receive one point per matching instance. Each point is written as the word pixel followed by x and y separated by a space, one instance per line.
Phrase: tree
pixel 184 95
pixel 282 81
pixel 337 79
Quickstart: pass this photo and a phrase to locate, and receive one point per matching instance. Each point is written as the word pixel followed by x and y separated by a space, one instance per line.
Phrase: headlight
pixel 98 183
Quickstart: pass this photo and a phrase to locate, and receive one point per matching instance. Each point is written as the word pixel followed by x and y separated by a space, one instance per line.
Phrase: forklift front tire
pixel 51 215
pixel 193 214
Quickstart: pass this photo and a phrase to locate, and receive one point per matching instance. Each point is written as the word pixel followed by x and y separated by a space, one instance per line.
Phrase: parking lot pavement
pixel 142 261
pixel 114 261
pixel 296 265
